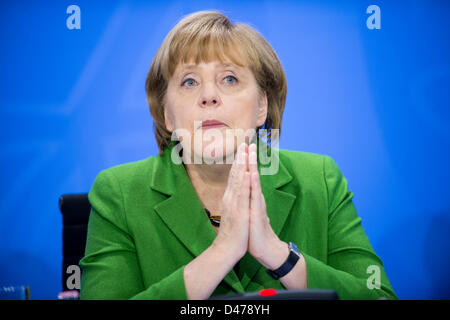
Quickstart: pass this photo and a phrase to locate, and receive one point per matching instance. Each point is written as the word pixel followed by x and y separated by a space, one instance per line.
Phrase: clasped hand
pixel 244 223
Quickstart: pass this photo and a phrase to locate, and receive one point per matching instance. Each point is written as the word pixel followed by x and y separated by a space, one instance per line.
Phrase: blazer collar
pixel 184 215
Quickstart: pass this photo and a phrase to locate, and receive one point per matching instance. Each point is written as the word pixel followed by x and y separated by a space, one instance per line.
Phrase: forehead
pixel 213 64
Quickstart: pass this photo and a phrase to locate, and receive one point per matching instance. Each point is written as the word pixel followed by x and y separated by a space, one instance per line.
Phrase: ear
pixel 168 120
pixel 262 110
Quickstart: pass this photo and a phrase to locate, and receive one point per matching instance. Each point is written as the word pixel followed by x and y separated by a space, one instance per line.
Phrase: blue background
pixel 72 103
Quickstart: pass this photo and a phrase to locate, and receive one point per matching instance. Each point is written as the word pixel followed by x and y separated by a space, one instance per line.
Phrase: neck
pixel 212 175
pixel 210 182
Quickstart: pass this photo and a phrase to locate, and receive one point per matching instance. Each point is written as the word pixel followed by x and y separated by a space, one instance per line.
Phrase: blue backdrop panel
pixel 72 102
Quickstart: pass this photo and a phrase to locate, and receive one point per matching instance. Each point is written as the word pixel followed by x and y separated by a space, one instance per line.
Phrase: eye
pixel 231 80
pixel 189 81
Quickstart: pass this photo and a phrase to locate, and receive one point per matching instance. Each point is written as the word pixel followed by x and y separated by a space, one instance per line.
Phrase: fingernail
pixel 252 158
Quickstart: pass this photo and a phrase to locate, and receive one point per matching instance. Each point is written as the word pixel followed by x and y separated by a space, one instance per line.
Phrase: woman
pixel 292 227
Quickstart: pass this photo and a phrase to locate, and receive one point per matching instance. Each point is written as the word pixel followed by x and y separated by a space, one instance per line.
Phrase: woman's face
pixel 220 91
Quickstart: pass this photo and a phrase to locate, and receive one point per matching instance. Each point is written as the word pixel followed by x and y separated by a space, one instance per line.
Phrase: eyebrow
pixel 194 66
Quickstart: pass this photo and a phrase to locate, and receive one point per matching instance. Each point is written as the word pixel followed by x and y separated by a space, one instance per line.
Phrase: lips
pixel 207 124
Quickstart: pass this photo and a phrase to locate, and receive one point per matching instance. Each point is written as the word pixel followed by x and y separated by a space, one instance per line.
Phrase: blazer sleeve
pixel 352 266
pixel 110 267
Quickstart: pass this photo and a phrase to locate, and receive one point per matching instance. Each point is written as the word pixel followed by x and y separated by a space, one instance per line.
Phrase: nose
pixel 211 101
pixel 209 96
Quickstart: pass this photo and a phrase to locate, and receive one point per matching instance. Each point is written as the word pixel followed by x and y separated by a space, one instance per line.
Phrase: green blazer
pixel 147 223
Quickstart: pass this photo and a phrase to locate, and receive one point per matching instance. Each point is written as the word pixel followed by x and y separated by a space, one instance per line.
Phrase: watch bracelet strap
pixel 288 265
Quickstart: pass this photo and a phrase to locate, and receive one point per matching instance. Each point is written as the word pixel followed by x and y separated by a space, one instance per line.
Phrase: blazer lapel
pixel 182 211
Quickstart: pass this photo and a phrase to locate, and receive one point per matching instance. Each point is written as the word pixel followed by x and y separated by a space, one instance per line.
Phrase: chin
pixel 215 153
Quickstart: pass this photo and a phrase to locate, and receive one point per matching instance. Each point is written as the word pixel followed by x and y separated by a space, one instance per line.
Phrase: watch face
pixel 294 248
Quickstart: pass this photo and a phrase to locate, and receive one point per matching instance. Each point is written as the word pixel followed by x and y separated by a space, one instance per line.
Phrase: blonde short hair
pixel 202 37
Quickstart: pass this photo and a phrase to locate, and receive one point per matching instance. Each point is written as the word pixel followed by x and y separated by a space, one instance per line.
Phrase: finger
pixel 255 187
pixel 240 164
pixel 234 167
pixel 246 160
pixel 237 176
pixel 240 191
pixel 252 159
pixel 244 197
pixel 255 193
pixel 243 148
pixel 242 159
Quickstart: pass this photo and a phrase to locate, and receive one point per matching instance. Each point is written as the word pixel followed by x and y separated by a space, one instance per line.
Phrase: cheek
pixel 181 113
pixel 243 112
pixel 176 102
pixel 184 120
